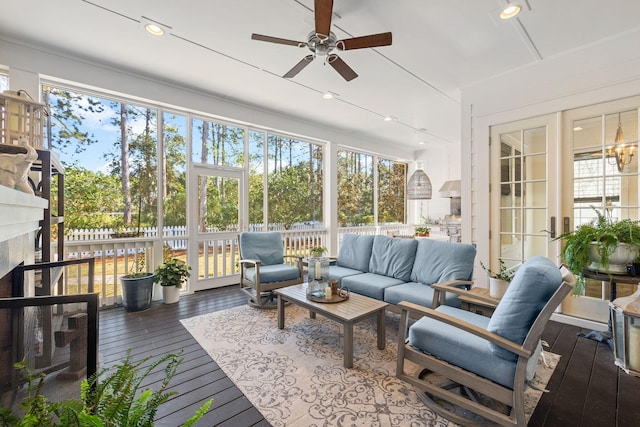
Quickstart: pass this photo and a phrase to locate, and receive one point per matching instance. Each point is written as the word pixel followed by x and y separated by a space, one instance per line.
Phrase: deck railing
pixel 115 257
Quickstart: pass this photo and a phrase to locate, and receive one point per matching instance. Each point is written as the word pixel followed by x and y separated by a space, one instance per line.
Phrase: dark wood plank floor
pixel 586 388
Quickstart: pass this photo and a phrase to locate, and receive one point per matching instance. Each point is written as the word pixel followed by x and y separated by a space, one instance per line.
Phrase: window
pixel 109 149
pixel 392 177
pixel 355 189
pixel 294 182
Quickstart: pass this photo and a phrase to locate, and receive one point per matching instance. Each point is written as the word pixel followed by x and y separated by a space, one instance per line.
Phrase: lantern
pixel 625 318
pixel 21 119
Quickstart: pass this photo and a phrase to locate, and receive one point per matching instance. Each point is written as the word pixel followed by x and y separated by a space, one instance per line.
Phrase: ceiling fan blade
pixel 342 68
pixel 298 67
pixel 372 40
pixel 278 40
pixel 323 10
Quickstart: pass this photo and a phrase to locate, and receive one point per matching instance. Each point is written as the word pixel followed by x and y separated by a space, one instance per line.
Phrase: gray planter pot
pixel 137 292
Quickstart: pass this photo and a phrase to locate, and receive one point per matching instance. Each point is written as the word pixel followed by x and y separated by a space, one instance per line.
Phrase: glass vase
pixel 318 277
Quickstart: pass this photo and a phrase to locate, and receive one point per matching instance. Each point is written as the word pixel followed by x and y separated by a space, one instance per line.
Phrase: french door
pixel 600 183
pixel 524 200
pixel 216 216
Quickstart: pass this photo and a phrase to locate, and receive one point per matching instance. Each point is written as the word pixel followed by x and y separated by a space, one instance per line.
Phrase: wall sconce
pixel 625 318
pixel 620 154
pixel 21 119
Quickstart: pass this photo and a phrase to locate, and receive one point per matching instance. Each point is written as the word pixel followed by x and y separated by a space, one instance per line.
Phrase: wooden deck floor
pixel 586 388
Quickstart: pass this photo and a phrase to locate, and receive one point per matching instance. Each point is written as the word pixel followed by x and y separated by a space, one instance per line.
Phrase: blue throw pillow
pixel 438 261
pixel 533 285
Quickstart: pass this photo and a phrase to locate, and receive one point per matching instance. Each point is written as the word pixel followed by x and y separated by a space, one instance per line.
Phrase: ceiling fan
pixel 323 41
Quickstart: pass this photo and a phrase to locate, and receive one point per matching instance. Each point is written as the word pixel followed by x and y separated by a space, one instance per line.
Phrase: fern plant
pixel 111 397
pixel 606 234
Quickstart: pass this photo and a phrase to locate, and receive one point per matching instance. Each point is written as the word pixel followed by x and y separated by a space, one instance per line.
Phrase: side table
pixel 477 300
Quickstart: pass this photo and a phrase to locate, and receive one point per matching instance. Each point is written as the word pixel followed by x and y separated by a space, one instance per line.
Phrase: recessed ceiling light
pixel 510 11
pixel 329 95
pixel 388 119
pixel 154 29
pixel 577 128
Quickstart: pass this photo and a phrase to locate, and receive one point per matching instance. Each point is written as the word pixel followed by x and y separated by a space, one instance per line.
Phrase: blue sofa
pixel 395 269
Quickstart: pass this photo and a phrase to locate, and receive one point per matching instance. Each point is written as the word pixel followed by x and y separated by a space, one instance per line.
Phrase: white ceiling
pixel 439 47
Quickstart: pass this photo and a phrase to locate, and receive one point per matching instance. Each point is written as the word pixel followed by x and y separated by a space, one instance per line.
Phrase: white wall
pixel 604 71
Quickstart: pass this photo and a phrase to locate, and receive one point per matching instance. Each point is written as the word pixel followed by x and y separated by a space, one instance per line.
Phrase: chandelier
pixel 620 154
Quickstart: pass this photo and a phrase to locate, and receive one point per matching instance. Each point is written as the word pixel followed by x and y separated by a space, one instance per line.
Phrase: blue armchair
pixel 470 354
pixel 263 267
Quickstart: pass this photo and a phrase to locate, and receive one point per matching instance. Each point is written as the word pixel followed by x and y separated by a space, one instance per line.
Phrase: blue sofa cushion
pixel 355 252
pixel 532 286
pixel 438 261
pixel 416 293
pixel 273 273
pixel 337 272
pixel 264 246
pixel 393 257
pixel 369 284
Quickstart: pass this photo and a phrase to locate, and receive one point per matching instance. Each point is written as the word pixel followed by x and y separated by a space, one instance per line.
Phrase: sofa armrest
pixel 408 307
pixel 441 289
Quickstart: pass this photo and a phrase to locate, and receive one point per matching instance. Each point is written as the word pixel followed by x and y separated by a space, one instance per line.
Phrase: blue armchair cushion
pixel 393 257
pixel 369 284
pixel 532 286
pixel 264 246
pixel 355 252
pixel 438 261
pixel 464 349
pixel 416 293
pixel 273 273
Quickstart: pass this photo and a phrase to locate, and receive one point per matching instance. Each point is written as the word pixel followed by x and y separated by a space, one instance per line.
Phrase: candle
pixel 318 270
pixel 634 347
pixel 327 292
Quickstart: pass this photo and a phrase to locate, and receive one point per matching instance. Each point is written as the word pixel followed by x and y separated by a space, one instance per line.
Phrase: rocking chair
pixel 263 268
pixel 465 358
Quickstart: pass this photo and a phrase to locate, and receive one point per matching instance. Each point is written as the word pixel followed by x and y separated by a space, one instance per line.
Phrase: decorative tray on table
pixel 342 295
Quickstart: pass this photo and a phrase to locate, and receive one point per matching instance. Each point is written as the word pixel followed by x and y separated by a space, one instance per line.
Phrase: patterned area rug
pixel 295 376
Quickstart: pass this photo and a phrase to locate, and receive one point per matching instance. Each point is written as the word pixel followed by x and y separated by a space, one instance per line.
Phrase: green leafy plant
pixel 111 397
pixel 172 272
pixel 422 230
pixel 503 274
pixel 317 251
pixel 606 234
pixel 137 267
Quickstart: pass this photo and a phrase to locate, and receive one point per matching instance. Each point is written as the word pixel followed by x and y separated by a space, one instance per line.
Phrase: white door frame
pixel 198 283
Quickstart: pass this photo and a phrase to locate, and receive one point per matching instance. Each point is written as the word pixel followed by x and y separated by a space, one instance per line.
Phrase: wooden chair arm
pixel 466 326
pixel 254 262
pixel 450 286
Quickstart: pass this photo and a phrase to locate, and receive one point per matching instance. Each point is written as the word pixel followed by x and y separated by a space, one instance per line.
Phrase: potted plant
pixel 601 245
pixel 137 287
pixel 317 251
pixel 171 274
pixel 499 281
pixel 422 231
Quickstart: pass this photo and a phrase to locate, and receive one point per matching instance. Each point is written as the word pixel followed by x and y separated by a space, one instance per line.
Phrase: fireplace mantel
pixel 20 214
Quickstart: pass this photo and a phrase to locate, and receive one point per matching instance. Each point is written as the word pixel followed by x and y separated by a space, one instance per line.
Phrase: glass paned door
pixel 521 204
pixel 604 179
pixel 217 216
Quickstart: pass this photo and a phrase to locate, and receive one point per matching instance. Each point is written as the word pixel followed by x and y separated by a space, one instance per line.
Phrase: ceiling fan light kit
pixel 322 42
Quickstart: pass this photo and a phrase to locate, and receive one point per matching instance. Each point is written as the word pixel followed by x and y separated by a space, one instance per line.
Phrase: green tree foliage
pixel 355 188
pixel 391 187
pixel 91 199
pixel 69 110
pixel 174 193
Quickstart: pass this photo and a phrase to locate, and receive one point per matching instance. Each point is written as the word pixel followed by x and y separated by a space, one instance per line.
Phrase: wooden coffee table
pixel 347 313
